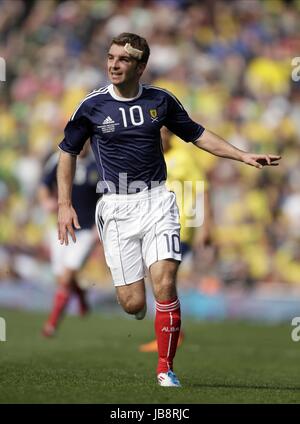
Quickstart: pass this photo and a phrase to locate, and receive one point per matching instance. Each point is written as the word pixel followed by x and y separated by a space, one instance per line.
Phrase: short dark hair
pixel 135 41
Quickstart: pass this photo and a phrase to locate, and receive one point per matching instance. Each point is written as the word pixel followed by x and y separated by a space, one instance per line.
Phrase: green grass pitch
pixel 96 360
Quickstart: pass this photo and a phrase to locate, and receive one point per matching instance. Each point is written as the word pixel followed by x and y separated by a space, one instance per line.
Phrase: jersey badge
pixel 153 114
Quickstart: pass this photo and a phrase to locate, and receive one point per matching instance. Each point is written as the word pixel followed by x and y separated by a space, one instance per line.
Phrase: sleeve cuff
pixel 66 151
pixel 199 136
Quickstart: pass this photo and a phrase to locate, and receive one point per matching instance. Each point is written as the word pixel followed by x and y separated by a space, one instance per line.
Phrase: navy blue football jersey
pixel 84 196
pixel 125 135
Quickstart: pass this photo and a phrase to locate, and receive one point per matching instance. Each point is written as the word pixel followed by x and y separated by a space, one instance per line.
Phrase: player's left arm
pixel 212 143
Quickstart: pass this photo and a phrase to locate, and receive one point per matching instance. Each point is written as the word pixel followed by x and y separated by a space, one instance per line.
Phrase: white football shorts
pixel 72 256
pixel 138 230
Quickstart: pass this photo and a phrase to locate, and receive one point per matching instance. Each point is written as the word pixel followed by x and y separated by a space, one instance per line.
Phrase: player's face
pixel 122 68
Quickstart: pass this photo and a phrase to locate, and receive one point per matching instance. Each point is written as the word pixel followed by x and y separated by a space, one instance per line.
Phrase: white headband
pixel 137 54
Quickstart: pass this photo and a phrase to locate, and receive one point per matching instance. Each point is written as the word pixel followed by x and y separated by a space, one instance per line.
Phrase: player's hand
pixel 67 221
pixel 259 161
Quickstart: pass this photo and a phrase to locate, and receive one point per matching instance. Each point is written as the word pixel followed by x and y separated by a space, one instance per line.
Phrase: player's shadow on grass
pixel 243 386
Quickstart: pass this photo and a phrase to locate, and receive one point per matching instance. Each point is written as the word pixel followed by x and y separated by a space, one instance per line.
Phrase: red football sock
pixel 167 328
pixel 61 300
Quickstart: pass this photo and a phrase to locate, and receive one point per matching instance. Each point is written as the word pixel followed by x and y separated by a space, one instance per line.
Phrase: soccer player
pixel 68 260
pixel 137 216
pixel 182 168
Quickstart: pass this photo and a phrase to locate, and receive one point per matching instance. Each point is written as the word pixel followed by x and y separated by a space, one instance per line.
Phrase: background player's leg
pixel 167 318
pixel 61 299
pixel 132 297
pixel 81 296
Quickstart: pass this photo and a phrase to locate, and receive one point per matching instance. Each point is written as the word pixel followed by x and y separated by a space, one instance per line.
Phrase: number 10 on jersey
pixel 136 118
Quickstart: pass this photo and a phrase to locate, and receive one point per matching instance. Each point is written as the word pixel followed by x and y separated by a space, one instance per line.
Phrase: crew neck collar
pixel 124 99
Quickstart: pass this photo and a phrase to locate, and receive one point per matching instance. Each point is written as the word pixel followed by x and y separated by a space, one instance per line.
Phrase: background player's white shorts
pixel 72 256
pixel 138 230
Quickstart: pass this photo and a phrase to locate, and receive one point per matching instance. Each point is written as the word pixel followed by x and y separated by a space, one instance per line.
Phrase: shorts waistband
pixel 142 195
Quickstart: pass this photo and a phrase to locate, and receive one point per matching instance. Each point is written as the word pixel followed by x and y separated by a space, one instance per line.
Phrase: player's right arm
pixel 67 217
pixel 77 131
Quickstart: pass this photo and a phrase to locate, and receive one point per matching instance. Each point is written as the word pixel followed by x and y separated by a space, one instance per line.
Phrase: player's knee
pixel 133 305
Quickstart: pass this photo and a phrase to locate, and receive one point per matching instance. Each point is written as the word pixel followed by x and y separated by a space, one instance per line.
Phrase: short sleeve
pixel 179 122
pixel 77 131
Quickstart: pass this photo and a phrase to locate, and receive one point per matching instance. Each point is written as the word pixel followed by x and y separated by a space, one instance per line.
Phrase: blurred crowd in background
pixel 229 62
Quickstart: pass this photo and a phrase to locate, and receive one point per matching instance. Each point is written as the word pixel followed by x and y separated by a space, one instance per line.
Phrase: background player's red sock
pixel 61 299
pixel 167 328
